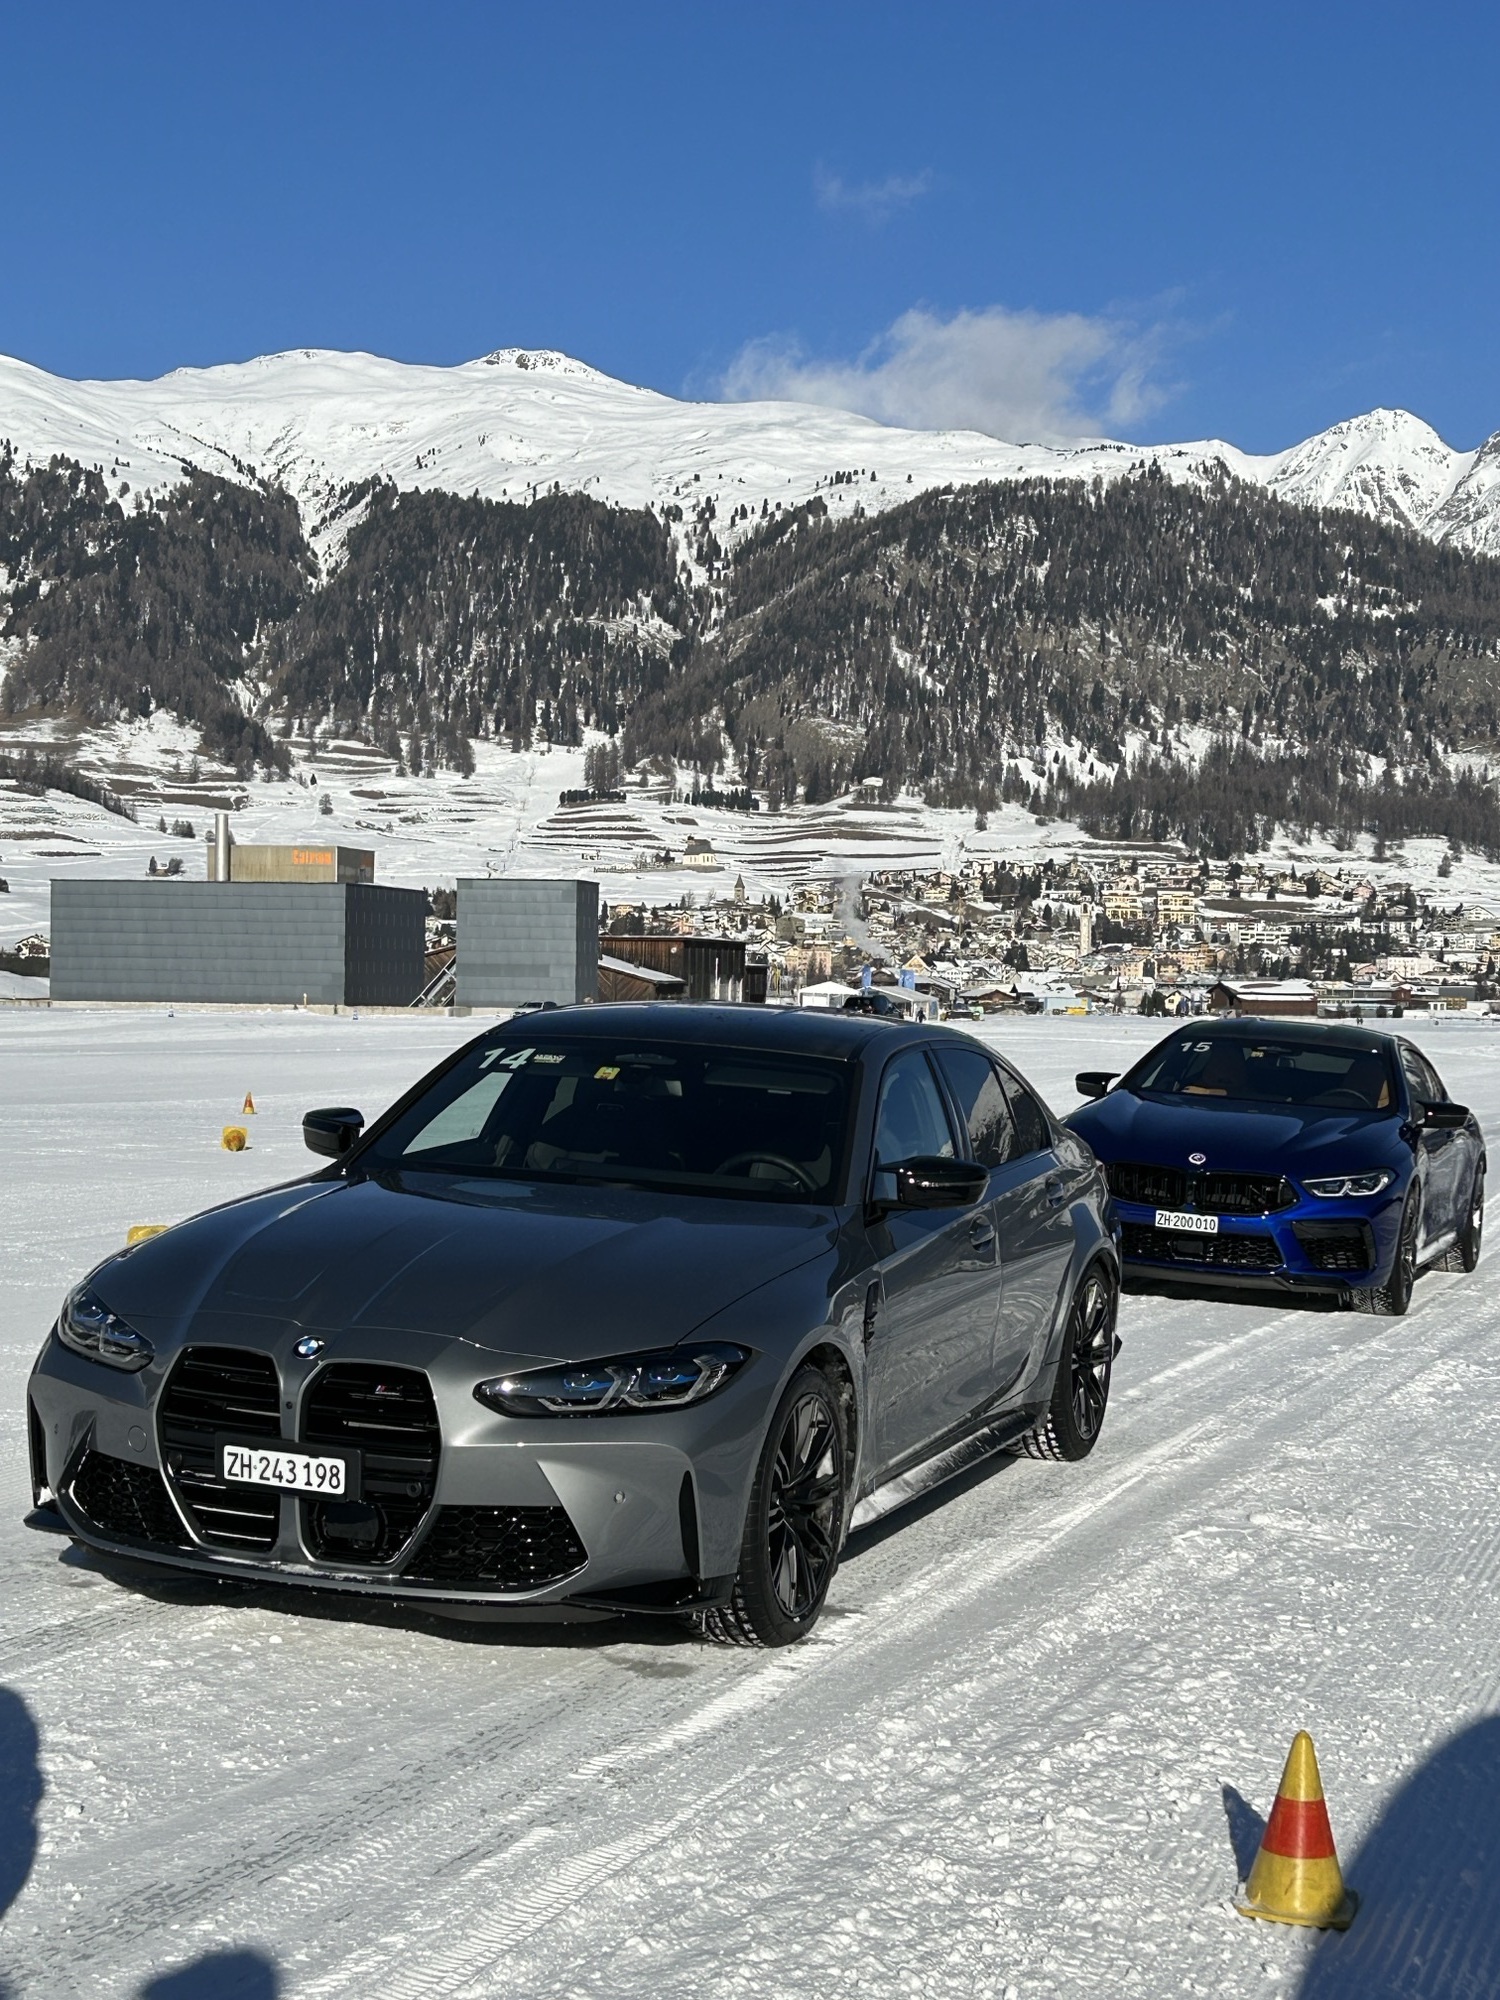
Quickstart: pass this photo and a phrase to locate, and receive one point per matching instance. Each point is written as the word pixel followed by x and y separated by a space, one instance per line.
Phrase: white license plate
pixel 292 1471
pixel 1182 1218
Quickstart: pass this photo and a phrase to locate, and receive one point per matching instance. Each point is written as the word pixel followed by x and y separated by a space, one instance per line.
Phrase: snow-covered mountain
pixel 516 422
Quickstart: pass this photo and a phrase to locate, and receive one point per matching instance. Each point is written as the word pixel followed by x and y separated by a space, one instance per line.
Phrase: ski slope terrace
pixel 1025 1754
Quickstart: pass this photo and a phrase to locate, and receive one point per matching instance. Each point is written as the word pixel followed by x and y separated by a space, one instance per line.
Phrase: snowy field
pixel 1043 1714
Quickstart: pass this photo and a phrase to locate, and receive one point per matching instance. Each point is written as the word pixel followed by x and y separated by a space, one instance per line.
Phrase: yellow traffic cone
pixel 235 1139
pixel 247 1109
pixel 1296 1878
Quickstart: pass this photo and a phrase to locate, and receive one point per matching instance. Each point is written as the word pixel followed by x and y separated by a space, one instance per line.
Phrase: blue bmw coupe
pixel 1289 1155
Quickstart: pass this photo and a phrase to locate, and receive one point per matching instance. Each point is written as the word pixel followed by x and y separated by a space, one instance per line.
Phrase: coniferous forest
pixel 1152 659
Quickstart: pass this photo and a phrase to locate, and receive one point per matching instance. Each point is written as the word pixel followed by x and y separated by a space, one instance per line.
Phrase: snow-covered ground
pixel 1019 1757
pixel 516 422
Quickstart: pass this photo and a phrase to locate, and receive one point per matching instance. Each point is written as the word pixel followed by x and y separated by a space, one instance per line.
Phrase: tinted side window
pixel 1421 1077
pixel 911 1120
pixel 1033 1134
pixel 975 1084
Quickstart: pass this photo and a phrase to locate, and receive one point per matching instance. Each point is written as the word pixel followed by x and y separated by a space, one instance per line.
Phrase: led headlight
pixel 1337 1186
pixel 634 1382
pixel 87 1325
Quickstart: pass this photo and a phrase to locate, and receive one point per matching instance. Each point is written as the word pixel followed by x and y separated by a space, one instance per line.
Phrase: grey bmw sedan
pixel 619 1309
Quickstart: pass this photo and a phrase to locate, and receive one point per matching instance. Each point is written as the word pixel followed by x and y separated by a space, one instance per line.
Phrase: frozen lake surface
pixel 1045 1706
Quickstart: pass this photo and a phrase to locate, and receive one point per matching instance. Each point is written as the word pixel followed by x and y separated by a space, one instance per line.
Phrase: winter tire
pixel 1394 1297
pixel 1080 1392
pixel 795 1522
pixel 1464 1255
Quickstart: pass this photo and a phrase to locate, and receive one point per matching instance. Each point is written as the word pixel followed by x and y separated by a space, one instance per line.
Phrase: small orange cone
pixel 235 1139
pixel 247 1109
pixel 1296 1878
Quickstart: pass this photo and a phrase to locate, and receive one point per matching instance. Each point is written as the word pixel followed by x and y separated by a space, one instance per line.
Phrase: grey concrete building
pixel 340 944
pixel 520 941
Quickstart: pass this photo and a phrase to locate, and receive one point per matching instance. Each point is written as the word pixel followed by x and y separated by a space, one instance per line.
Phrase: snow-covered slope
pixel 516 422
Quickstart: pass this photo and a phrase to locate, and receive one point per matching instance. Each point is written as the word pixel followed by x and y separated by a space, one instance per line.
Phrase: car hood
pixel 1234 1137
pixel 519 1269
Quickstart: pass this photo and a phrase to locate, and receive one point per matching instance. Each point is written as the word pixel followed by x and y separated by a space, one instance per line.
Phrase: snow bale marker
pixel 1296 1878
pixel 247 1109
pixel 138 1232
pixel 234 1139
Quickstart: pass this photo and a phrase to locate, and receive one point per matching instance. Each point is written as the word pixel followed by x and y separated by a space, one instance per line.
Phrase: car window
pixel 706 1120
pixel 911 1121
pixel 1033 1133
pixel 1268 1069
pixel 980 1097
pixel 1421 1077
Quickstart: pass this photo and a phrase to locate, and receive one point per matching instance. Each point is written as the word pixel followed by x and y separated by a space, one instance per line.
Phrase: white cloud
pixel 1023 376
pixel 874 200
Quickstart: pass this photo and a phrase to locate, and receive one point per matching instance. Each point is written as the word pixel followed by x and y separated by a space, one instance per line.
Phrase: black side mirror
pixel 931 1181
pixel 333 1131
pixel 1094 1082
pixel 1438 1115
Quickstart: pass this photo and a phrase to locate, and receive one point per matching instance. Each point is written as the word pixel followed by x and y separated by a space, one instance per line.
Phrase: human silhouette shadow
pixel 20 1795
pixel 222 1975
pixel 1428 1877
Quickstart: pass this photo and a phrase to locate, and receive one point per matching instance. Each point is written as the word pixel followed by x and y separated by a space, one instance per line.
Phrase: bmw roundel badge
pixel 309 1347
pixel 1194 1160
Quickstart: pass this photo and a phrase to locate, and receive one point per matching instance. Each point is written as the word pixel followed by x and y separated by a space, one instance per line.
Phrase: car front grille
pixel 1337 1246
pixel 510 1548
pixel 389 1416
pixel 1147 1245
pixel 126 1502
pixel 216 1391
pixel 1209 1194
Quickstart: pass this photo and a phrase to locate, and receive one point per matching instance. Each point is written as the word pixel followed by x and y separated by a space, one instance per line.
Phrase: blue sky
pixel 1157 220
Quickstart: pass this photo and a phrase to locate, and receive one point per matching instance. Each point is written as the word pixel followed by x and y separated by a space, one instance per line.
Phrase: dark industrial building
pixel 710 968
pixel 334 943
pixel 522 940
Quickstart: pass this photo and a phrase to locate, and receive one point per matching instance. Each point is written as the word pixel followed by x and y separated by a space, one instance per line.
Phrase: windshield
pixel 718 1121
pixel 1269 1070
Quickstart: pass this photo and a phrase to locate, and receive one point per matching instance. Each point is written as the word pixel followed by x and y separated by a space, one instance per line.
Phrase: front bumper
pixel 457 1506
pixel 1328 1247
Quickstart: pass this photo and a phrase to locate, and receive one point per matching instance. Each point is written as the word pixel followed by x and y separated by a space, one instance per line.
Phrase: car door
pixel 931 1334
pixel 1035 1224
pixel 1446 1153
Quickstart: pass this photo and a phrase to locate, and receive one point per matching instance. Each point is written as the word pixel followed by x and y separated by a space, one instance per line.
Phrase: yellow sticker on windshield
pixel 607 1073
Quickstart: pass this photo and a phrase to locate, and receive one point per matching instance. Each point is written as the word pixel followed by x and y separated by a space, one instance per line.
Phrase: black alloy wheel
pixel 1394 1297
pixel 1464 1255
pixel 1080 1393
pixel 794 1527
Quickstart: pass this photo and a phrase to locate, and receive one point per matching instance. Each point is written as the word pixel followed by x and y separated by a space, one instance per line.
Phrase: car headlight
pixel 1338 1185
pixel 87 1325
pixel 665 1381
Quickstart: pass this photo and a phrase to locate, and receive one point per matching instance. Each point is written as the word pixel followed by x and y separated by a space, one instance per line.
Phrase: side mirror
pixel 1438 1115
pixel 931 1181
pixel 333 1131
pixel 1094 1082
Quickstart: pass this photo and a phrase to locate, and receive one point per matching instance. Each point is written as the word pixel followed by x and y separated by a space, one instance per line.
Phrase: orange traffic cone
pixel 1296 1878
pixel 247 1109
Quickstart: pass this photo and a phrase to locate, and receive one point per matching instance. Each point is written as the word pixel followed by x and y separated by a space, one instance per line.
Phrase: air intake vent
pixel 126 1502
pixel 508 1548
pixel 1143 1244
pixel 1210 1194
pixel 213 1392
pixel 1337 1246
pixel 389 1415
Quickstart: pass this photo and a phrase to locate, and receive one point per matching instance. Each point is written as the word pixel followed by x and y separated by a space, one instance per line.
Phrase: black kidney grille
pixel 216 1391
pixel 1144 1244
pixel 1210 1194
pixel 510 1548
pixel 389 1415
pixel 126 1502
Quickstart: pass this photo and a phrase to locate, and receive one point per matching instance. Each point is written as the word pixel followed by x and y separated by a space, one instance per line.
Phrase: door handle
pixel 1056 1193
pixel 982 1235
